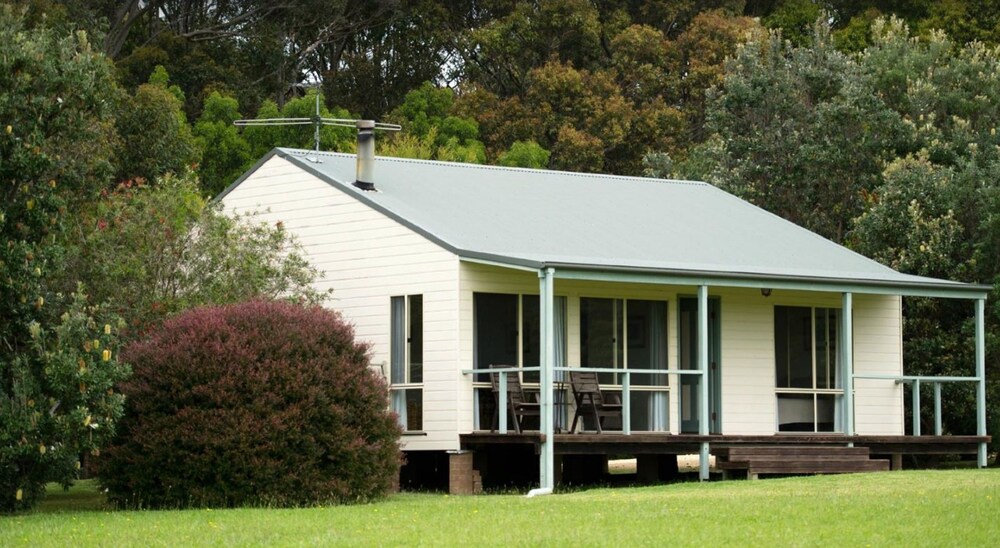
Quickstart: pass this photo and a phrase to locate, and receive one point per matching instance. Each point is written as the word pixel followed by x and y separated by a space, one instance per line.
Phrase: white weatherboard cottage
pixel 446 268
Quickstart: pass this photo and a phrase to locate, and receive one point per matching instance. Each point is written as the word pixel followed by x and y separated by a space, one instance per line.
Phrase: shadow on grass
pixel 83 496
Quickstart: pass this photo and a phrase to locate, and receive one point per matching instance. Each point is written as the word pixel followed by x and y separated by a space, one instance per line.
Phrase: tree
pixel 804 134
pixel 156 137
pixel 54 144
pixel 431 130
pixel 225 153
pixel 525 154
pixel 500 54
pixel 155 250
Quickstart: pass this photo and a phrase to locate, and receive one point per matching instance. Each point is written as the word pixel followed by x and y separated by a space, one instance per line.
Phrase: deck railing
pixel 626 386
pixel 915 381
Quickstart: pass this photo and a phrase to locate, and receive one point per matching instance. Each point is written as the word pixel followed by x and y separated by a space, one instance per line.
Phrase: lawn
pixel 955 508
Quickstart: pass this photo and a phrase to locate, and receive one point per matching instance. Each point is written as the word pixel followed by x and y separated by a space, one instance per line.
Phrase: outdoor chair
pixel 517 403
pixel 590 400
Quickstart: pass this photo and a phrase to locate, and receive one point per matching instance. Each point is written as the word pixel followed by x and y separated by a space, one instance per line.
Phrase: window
pixel 508 332
pixel 406 357
pixel 629 334
pixel 807 369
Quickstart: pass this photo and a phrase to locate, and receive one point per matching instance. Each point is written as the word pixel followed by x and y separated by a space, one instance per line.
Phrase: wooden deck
pixel 610 443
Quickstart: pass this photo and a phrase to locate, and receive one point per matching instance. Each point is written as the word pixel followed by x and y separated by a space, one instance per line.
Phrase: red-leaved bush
pixel 261 403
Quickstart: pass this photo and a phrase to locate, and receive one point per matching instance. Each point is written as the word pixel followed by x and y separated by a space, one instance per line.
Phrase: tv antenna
pixel 317 121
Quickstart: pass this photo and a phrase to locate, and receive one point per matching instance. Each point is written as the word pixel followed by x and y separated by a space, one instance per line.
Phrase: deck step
pixel 818 452
pixel 810 466
pixel 756 460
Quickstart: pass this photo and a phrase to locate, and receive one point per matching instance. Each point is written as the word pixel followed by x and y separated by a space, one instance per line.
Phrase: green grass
pixel 930 508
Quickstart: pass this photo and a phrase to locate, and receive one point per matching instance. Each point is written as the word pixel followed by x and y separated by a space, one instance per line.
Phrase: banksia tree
pixel 54 144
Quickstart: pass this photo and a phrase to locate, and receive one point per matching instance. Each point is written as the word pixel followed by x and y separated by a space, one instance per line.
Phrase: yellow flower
pixel 86 421
pixel 97 344
pixel 107 329
pixel 77 465
pixel 106 355
pixel 40 302
pixel 20 493
pixel 31 204
pixel 41 448
pixel 52 183
pixel 10 130
pixel 82 364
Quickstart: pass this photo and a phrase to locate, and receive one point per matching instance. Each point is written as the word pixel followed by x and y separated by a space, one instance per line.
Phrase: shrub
pixel 260 403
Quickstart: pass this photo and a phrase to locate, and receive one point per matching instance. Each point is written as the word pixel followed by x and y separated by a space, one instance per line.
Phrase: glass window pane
pixel 416 339
pixel 495 331
pixel 795 413
pixel 597 334
pixel 826 348
pixel 793 347
pixel 397 342
pixel 647 340
pixel 649 411
pixel 826 413
pixel 414 409
pixel 531 335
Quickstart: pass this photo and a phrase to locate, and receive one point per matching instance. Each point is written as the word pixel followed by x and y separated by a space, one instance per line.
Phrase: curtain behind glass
pixel 559 413
pixel 658 353
pixel 397 356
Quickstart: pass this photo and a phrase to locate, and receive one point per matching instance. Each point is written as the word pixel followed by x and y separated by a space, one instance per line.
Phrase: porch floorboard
pixel 681 444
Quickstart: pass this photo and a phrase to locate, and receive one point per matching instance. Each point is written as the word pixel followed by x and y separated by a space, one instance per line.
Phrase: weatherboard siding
pixel 367 258
pixel 878 349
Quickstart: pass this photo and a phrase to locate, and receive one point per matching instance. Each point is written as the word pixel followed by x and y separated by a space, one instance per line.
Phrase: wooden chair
pixel 590 399
pixel 517 403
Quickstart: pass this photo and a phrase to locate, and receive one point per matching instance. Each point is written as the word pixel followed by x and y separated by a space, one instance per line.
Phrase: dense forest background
pixel 872 123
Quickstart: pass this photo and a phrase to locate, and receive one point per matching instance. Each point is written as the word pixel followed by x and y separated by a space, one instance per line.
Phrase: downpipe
pixel 539 492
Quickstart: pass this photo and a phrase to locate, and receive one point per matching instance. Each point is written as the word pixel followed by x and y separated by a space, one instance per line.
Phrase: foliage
pixel 263 138
pixel 805 133
pixel 795 18
pixel 431 130
pixel 156 137
pixel 250 404
pixel 525 154
pixel 54 144
pixel 61 402
pixel 381 64
pixel 225 153
pixel 154 250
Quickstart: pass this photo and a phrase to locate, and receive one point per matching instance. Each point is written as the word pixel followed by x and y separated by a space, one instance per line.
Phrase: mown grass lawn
pixel 928 508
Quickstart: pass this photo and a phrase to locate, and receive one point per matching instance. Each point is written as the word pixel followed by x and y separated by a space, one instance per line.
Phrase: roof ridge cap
pixel 491 167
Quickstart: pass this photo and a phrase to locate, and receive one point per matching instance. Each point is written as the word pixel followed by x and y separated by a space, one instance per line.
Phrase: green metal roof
pixel 602 223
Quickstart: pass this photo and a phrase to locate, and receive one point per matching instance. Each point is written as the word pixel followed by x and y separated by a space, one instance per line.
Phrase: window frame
pixel 408 385
pixel 831 348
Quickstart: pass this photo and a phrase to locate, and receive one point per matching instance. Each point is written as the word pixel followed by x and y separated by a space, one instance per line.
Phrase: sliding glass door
pixel 629 334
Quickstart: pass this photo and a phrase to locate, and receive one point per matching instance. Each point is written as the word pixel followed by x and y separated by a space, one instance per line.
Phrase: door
pixel 690 384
